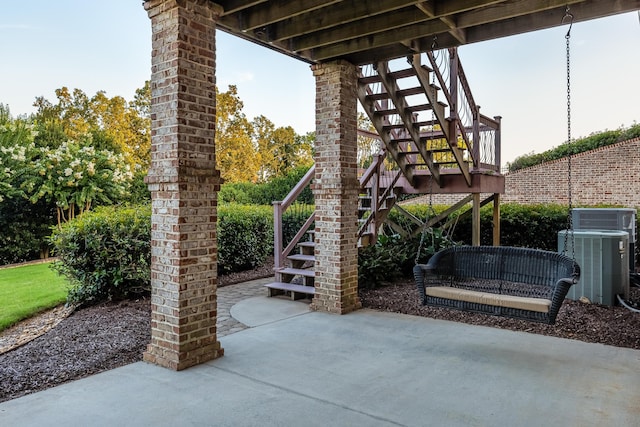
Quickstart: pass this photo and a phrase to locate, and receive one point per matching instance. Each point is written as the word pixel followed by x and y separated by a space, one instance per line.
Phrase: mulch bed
pixel 616 326
pixel 107 336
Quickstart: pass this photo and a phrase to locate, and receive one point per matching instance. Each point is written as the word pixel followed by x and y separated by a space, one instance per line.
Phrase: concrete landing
pixel 363 369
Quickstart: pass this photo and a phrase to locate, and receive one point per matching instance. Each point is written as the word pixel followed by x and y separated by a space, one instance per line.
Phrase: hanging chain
pixel 430 211
pixel 569 231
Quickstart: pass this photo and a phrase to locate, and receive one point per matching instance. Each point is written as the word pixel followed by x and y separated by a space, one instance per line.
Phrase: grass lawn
pixel 27 290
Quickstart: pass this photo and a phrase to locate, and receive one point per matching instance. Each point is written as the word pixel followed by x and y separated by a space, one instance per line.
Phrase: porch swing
pixel 515 282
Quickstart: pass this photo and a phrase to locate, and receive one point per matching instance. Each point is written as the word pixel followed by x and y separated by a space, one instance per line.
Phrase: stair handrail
pixel 279 208
pixel 480 122
pixel 363 228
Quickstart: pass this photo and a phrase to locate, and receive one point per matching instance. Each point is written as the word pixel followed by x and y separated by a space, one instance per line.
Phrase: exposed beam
pixel 584 11
pixel 269 12
pixel 428 9
pixel 368 26
pixel 451 7
pixel 233 6
pixel 340 14
pixel 378 40
pixel 511 9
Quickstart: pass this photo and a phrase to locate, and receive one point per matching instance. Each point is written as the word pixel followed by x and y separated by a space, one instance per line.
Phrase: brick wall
pixel 606 175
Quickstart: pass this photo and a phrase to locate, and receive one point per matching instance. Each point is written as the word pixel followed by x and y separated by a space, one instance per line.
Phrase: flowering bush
pixel 75 175
pixel 16 146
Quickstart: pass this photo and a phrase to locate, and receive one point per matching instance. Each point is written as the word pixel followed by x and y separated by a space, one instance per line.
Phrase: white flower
pixel 68 172
pixel 78 175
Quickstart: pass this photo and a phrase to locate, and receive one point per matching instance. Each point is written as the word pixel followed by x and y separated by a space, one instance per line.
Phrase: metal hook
pixel 568 15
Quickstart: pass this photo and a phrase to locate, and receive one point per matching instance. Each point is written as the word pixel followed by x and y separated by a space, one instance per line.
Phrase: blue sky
pixel 105 45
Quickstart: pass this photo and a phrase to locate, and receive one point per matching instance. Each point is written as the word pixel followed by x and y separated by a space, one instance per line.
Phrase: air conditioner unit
pixel 602 257
pixel 621 219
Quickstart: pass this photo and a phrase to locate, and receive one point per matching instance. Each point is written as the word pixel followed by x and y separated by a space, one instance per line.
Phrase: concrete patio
pixel 293 367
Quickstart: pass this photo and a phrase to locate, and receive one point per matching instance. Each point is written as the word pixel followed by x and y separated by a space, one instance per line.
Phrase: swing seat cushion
pixel 539 305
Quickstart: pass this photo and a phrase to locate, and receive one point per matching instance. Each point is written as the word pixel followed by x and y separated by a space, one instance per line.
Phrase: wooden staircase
pixel 424 113
pixel 297 279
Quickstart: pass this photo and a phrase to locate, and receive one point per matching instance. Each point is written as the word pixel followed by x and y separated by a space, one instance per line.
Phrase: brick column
pixel 184 184
pixel 336 189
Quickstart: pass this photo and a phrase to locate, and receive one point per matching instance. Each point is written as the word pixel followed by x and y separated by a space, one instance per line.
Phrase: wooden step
pixel 400 74
pixel 298 272
pixel 302 257
pixel 274 287
pixel 307 244
pixel 378 96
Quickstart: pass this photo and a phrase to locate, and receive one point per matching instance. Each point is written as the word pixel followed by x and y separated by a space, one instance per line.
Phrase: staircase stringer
pixel 423 76
pixel 377 120
pixel 407 118
pixel 450 124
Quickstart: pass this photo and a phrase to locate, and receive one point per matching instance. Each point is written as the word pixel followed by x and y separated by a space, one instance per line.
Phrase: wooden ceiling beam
pixel 510 9
pixel 270 12
pixel 365 31
pixel 233 6
pixel 377 40
pixel 345 12
pixel 583 11
pixel 428 9
pixel 453 7
pixel 365 27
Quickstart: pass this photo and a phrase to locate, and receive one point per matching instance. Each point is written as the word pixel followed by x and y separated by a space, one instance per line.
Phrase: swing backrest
pixel 509 264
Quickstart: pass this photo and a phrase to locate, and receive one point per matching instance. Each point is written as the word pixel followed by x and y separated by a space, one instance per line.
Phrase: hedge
pixel 106 253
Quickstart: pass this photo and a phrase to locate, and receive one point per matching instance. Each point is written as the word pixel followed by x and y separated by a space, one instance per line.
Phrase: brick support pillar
pixel 184 184
pixel 336 189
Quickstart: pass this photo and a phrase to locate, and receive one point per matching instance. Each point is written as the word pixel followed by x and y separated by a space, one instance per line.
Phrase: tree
pixel 236 156
pixel 280 150
pixel 262 134
pixel 113 123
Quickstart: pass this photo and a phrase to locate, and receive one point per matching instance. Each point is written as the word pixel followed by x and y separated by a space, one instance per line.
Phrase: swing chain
pixel 568 16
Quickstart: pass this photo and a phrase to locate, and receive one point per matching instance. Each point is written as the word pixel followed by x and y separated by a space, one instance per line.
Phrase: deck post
pixel 475 214
pixel 336 188
pixel 496 219
pixel 184 184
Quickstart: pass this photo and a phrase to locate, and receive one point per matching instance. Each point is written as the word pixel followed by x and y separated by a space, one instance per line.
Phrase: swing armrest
pixel 419 273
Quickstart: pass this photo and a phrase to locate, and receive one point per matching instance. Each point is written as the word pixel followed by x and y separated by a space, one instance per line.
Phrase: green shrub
pixel 580 145
pixel 245 236
pixel 394 256
pixel 266 193
pixel 531 226
pixel 293 220
pixel 105 254
pixel 24 229
pixel 241 193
